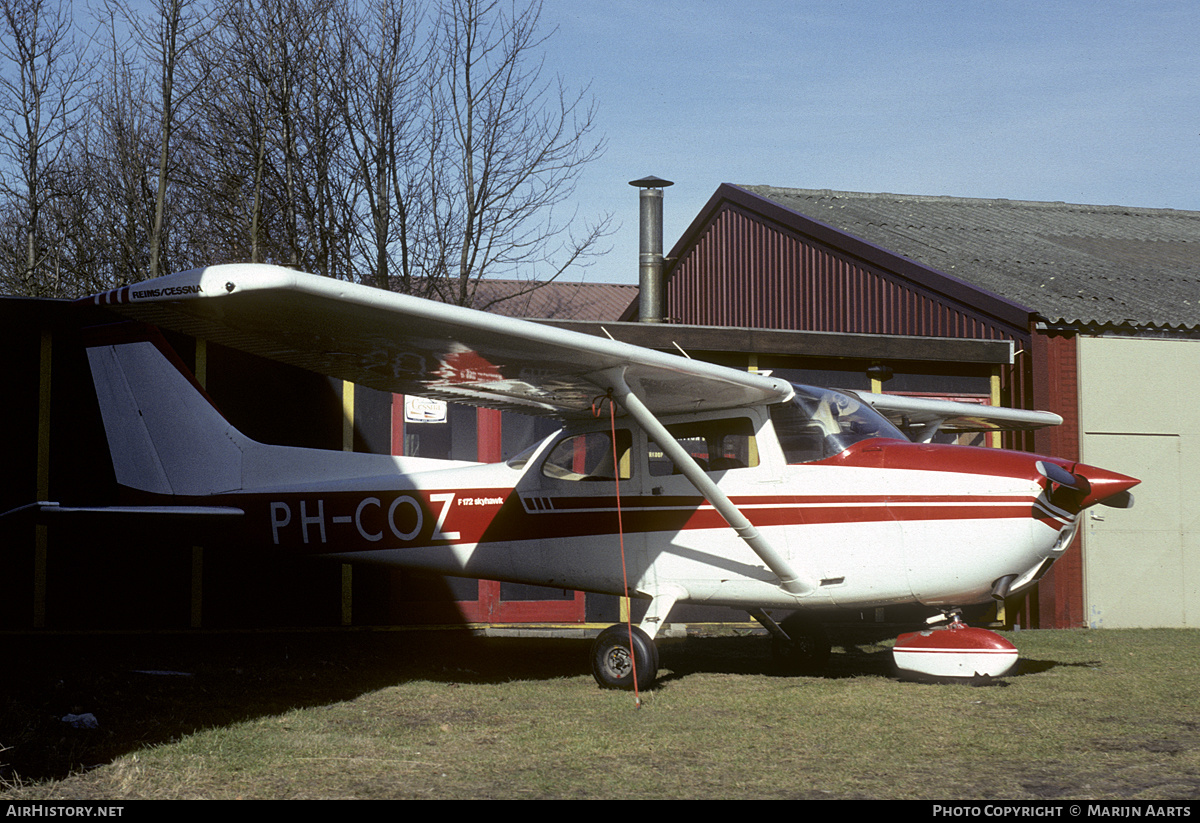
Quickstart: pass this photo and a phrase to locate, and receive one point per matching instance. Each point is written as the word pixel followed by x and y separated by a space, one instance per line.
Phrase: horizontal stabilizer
pixel 143 517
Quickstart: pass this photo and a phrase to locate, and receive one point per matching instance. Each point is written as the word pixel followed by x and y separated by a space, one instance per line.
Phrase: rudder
pixel 164 436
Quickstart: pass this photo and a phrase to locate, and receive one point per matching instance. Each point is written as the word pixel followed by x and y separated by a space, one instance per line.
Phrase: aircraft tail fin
pixel 164 435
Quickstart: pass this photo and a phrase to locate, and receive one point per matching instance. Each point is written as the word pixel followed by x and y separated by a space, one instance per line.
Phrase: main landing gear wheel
pixel 807 652
pixel 613 662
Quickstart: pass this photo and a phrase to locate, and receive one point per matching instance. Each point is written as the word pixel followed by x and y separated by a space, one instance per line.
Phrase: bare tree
pixel 323 199
pixel 380 141
pixel 508 147
pixel 169 40
pixel 381 101
pixel 275 107
pixel 40 80
pixel 118 152
pixel 301 110
pixel 239 124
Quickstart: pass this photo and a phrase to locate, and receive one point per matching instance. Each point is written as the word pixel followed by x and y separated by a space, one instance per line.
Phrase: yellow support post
pixel 197 599
pixel 347 445
pixel 41 535
pixel 995 436
pixel 347 594
pixel 197 587
pixel 752 366
pixel 202 363
pixel 347 416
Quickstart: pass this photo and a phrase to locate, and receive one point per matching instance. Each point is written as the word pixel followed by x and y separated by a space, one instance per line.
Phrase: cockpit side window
pixel 589 457
pixel 820 423
pixel 800 438
pixel 716 445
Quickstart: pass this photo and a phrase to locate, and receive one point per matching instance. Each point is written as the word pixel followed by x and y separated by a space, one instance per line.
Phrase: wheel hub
pixel 619 662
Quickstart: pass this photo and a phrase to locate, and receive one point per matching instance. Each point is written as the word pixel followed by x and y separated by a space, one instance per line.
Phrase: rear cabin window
pixel 716 445
pixel 589 457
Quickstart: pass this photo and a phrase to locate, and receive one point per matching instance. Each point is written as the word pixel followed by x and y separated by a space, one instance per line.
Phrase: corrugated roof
pixel 556 300
pixel 1071 264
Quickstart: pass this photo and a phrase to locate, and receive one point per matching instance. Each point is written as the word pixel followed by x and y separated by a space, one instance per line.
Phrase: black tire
pixel 808 650
pixel 613 665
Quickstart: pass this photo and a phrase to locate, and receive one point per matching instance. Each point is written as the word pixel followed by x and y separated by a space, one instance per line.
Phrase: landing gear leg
pixel 799 644
pixel 615 658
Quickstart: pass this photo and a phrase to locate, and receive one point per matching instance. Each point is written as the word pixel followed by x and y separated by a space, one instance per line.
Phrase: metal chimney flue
pixel 650 249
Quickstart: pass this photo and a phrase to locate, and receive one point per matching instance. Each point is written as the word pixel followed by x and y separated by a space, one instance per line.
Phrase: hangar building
pixel 1102 303
pixel 1091 312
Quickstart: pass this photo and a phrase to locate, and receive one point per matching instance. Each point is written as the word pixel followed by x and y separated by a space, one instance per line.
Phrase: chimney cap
pixel 651 182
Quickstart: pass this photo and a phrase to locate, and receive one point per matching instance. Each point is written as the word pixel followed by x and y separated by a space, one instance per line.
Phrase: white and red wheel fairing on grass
pixel 955 652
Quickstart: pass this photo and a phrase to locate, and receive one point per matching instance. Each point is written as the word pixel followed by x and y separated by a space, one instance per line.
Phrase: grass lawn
pixel 1099 714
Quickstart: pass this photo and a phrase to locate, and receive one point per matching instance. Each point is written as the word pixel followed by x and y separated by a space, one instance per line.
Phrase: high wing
pixel 408 345
pixel 922 418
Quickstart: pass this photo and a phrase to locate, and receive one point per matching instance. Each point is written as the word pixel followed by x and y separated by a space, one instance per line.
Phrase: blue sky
pixel 1088 102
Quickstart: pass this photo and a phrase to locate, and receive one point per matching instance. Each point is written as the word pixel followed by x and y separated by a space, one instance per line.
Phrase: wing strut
pixel 789 579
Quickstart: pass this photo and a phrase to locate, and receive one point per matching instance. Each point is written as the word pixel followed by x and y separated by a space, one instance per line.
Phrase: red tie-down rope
pixel 612 416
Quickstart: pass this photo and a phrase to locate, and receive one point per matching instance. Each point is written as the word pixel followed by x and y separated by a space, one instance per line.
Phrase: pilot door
pixel 581 501
pixel 690 542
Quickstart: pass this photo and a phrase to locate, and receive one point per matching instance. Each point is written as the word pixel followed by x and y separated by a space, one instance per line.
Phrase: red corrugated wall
pixel 745 272
pixel 1056 389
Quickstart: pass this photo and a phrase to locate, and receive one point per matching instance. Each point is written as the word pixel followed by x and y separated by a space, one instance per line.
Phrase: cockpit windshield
pixel 820 423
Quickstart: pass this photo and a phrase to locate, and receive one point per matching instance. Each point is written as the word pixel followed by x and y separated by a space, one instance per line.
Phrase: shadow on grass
pixel 146 690
pixel 1031 666
pixel 752 655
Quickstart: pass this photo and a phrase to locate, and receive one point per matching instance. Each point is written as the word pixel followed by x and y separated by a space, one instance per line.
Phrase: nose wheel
pixel 615 659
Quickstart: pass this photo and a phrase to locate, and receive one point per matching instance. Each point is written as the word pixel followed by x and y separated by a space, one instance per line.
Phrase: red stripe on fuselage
pixel 322 523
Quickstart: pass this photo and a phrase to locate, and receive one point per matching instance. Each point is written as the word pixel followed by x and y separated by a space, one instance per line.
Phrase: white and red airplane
pixel 708 485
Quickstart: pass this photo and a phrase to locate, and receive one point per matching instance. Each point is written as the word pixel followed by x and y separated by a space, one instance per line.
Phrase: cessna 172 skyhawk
pixel 734 488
